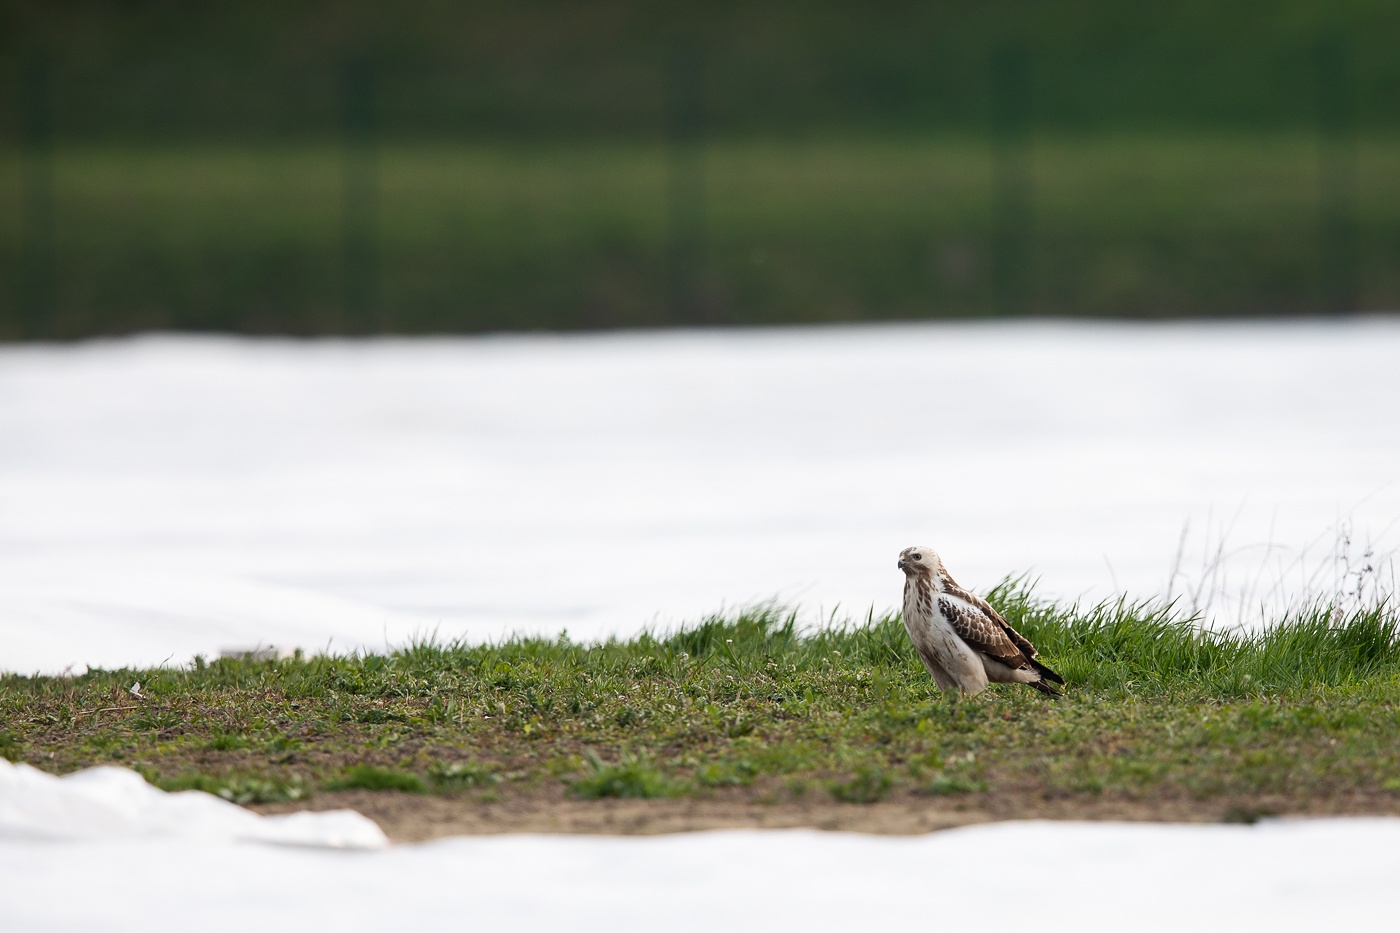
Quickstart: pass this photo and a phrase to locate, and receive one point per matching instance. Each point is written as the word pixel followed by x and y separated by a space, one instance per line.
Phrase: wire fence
pixel 689 210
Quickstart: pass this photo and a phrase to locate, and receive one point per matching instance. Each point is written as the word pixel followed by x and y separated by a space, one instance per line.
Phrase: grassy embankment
pixel 1302 718
pixel 490 237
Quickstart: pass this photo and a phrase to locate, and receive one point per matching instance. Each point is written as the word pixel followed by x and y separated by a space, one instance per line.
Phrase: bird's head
pixel 918 560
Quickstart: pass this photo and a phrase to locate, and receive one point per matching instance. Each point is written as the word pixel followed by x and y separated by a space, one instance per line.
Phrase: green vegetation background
pixel 427 166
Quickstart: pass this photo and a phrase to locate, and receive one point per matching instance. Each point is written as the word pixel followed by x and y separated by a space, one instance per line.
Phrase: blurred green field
pixel 456 237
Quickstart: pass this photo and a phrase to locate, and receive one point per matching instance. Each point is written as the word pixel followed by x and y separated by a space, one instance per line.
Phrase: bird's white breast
pixel 943 651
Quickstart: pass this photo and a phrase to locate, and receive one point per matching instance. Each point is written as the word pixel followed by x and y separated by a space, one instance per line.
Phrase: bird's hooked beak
pixel 905 564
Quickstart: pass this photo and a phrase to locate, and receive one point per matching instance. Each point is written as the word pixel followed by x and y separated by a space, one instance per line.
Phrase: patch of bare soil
pixel 418 818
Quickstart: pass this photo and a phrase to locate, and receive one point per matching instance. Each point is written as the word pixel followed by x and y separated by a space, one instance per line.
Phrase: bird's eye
pixel 915 556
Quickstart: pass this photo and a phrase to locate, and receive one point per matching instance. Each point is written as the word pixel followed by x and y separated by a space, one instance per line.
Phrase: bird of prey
pixel 963 641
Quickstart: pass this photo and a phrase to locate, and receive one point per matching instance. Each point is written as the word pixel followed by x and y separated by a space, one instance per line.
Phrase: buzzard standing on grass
pixel 963 641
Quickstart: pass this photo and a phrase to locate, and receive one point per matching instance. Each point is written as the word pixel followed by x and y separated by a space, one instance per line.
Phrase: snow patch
pixel 1277 876
pixel 105 803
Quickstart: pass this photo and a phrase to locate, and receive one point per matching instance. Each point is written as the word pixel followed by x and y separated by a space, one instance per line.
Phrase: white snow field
pixel 163 497
pixel 170 496
pixel 1276 876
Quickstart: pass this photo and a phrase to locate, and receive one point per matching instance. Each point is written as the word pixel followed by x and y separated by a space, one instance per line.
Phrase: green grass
pixel 869 784
pixel 240 789
pixel 752 706
pixel 484 237
pixel 370 777
pixel 630 777
pixel 9 746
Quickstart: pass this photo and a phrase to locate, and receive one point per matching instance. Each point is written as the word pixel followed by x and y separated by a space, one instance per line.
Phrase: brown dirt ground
pixel 418 818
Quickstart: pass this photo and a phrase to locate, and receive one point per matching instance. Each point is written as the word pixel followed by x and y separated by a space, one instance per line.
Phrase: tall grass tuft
pixel 369 777
pixel 1121 644
pixel 631 777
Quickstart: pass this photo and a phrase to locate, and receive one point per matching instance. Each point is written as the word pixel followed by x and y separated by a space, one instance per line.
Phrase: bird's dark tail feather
pixel 1046 675
pixel 1046 672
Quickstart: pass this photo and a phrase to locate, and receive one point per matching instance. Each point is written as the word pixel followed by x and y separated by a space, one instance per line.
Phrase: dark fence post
pixel 1011 178
pixel 1336 125
pixel 685 188
pixel 360 208
pixel 38 278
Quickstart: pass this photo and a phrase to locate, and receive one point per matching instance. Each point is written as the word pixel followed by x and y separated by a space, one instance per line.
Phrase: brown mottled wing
pixel 1019 640
pixel 981 632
